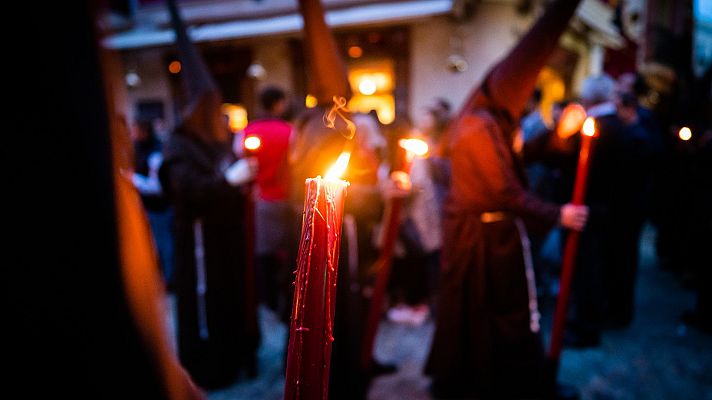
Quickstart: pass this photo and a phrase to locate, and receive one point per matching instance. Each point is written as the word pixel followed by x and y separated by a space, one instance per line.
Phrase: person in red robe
pixel 487 342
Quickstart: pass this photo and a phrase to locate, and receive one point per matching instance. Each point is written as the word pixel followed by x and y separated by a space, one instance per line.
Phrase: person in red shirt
pixel 273 215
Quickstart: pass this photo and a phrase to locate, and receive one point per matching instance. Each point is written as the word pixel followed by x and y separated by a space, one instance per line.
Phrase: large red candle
pixel 391 225
pixel 250 145
pixel 572 240
pixel 310 333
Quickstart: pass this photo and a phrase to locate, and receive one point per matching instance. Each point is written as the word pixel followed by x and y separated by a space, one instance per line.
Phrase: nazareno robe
pixel 217 341
pixel 483 344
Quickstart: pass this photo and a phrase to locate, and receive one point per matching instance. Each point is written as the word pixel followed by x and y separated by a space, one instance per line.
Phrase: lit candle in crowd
pixel 588 132
pixel 251 145
pixel 311 328
pixel 411 148
pixel 685 133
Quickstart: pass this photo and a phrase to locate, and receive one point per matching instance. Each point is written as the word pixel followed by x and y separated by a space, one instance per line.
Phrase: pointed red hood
pixel 510 83
pixel 327 72
pixel 202 116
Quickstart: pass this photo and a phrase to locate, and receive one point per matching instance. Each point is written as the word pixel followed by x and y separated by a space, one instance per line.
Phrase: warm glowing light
pixel 252 143
pixel 386 113
pixel 402 180
pixel 685 133
pixel 174 67
pixel 367 86
pixel 237 116
pixel 310 101
pixel 339 166
pixel 355 51
pixel 382 73
pixel 416 147
pixel 589 127
pixel 570 120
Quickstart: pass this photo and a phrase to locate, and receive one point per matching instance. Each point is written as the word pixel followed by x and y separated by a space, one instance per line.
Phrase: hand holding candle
pixel 412 148
pixel 574 216
pixel 251 145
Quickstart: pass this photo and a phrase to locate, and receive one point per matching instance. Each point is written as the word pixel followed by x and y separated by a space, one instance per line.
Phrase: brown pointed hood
pixel 202 116
pixel 510 83
pixel 327 72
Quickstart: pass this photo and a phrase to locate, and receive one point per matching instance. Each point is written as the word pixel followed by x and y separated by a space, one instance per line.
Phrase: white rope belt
pixel 496 216
pixel 352 241
pixel 201 286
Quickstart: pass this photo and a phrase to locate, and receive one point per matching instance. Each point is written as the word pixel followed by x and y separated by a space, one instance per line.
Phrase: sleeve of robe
pixel 490 155
pixel 195 183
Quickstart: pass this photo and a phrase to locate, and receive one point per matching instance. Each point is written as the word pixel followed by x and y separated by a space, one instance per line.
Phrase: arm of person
pixel 490 155
pixel 194 185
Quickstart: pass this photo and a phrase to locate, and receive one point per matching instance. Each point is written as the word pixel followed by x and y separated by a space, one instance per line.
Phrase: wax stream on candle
pixel 311 330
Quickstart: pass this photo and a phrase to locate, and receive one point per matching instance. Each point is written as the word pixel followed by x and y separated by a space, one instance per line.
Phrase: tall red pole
pixel 391 224
pixel 571 246
pixel 250 265
pixel 383 268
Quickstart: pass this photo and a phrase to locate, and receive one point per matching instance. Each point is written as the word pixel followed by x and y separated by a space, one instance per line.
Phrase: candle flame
pixel 252 143
pixel 589 127
pixel 685 133
pixel 570 121
pixel 339 166
pixel 416 147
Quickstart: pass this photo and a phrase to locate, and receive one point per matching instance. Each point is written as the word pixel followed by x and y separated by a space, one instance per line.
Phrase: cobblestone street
pixel 656 358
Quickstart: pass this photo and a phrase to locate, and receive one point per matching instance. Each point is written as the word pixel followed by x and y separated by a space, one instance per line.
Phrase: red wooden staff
pixel 391 225
pixel 251 145
pixel 572 240
pixel 311 328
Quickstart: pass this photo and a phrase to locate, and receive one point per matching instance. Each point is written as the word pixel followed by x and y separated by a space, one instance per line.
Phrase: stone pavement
pixel 655 358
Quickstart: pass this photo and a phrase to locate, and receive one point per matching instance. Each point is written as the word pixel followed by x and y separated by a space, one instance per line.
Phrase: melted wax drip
pixel 331 218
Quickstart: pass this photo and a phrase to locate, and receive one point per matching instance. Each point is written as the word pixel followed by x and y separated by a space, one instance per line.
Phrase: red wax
pixel 570 250
pixel 310 333
pixel 250 260
pixel 391 224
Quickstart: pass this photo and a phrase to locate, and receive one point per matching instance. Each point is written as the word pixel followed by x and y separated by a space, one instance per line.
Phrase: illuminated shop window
pixel 372 83
pixel 553 90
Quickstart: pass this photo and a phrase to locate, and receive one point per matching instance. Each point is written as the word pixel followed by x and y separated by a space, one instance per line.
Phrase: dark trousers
pixel 622 270
pixel 589 295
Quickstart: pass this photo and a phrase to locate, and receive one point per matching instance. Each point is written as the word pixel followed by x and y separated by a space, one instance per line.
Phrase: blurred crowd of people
pixel 628 185
pixel 479 241
pixel 480 238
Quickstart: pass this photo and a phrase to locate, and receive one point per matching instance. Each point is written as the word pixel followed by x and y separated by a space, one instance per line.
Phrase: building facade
pixel 401 55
